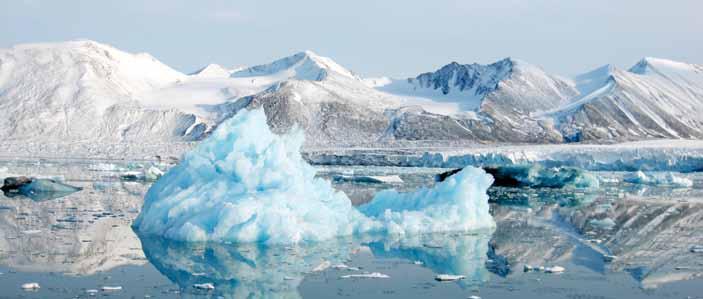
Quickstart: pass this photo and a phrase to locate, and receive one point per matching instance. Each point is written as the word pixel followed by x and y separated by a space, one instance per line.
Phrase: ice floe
pixel 658 179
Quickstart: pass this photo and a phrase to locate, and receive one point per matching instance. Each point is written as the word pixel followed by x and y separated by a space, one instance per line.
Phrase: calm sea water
pixel 83 242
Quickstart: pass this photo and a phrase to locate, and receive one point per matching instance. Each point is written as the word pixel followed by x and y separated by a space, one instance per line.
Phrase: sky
pixel 371 37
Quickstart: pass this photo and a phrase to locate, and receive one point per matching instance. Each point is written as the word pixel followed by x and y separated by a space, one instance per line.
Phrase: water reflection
pixel 80 234
pixel 259 271
pixel 650 230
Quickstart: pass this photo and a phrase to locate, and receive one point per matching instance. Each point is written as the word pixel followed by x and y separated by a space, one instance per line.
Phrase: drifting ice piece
pixel 366 275
pixel 369 179
pixel 35 188
pixel 449 277
pixel 661 179
pixel 246 184
pixel 535 176
pixel 30 286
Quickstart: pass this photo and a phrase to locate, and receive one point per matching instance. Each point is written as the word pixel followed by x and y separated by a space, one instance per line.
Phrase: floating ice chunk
pixel 535 176
pixel 474 297
pixel 609 258
pixel 153 173
pixel 36 188
pixel 369 179
pixel 366 275
pixel 111 288
pixel 345 267
pixel 204 286
pixel 449 277
pixel 460 203
pixel 322 266
pixel 554 269
pixel 30 286
pixel 246 184
pixel 92 292
pixel 654 179
pixel 31 232
pixel 697 249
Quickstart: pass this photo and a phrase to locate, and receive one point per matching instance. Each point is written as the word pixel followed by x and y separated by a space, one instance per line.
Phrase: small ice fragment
pixel 474 297
pixel 288 278
pixel 111 288
pixel 418 263
pixel 345 267
pixel 609 258
pixel 432 245
pixel 30 286
pixel 198 274
pixel 697 249
pixel 31 232
pixel 153 173
pixel 366 275
pixel 132 176
pixel 369 179
pixel 528 268
pixel 449 277
pixel 555 269
pixel 92 292
pixel 204 286
pixel 322 266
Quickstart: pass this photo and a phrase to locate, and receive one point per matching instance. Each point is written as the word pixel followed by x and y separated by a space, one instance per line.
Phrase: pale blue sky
pixel 372 37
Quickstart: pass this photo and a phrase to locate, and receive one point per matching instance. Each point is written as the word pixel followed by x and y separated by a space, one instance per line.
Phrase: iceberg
pixel 535 176
pixel 36 188
pixel 246 184
pixel 658 179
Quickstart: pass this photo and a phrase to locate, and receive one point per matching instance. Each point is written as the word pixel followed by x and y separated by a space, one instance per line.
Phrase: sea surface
pixel 618 241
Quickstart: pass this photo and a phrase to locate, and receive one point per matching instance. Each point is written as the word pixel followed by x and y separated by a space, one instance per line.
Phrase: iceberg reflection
pixel 275 271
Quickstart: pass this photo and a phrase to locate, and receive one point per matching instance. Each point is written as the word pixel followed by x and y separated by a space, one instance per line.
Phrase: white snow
pixel 212 71
pixel 245 184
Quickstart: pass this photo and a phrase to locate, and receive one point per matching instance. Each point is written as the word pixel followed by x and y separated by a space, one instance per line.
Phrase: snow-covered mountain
pixel 85 90
pixel 212 71
pixel 489 102
pixel 656 98
pixel 89 92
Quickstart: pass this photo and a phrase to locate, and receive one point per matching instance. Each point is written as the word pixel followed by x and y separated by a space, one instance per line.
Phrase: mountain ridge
pixel 134 97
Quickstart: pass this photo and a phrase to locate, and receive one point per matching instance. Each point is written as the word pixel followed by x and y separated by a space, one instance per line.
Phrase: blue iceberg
pixel 658 179
pixel 246 184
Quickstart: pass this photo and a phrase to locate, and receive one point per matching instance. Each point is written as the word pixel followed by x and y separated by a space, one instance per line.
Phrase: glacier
pixel 246 184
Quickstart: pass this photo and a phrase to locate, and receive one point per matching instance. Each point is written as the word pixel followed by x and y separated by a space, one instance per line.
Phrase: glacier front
pixel 247 184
